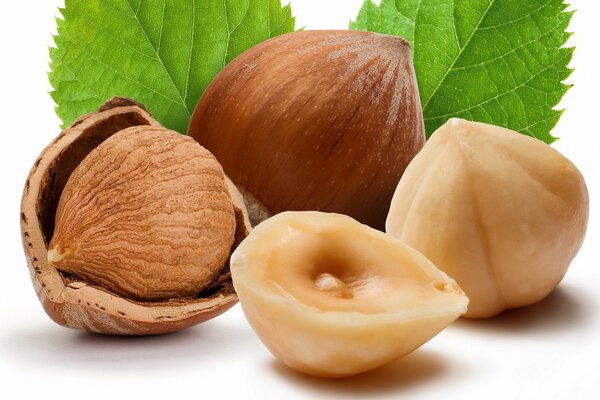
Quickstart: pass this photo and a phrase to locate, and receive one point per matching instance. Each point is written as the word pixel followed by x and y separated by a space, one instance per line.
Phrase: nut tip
pixel 57 254
pixel 456 122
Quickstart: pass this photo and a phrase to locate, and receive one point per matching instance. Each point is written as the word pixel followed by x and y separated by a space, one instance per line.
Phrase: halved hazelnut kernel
pixel 331 297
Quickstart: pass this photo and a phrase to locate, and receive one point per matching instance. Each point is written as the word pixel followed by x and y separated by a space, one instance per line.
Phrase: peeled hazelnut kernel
pixel 502 213
pixel 81 303
pixel 147 215
pixel 331 297
pixel 316 120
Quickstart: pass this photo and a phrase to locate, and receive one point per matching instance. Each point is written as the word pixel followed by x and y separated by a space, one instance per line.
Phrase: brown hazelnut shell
pixel 81 305
pixel 316 120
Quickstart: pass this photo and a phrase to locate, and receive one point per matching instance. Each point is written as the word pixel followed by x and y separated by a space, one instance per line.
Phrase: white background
pixel 547 351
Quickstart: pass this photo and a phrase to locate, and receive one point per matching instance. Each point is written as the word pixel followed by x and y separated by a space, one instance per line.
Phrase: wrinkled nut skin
pixel 316 120
pixel 502 213
pixel 331 297
pixel 147 215
pixel 80 305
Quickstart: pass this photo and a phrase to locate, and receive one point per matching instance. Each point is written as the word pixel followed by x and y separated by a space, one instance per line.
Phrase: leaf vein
pixel 143 30
pixel 426 103
pixel 162 25
pixel 512 90
pixel 107 66
pixel 191 50
pixel 514 50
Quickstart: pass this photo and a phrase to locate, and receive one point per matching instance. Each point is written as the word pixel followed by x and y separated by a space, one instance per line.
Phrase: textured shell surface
pixel 316 120
pixel 146 215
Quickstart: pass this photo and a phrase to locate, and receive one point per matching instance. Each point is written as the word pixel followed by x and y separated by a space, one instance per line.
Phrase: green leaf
pixel 495 61
pixel 163 53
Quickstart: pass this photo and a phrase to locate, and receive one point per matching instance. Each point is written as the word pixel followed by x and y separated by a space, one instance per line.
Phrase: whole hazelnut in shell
pixel 316 120
pixel 502 213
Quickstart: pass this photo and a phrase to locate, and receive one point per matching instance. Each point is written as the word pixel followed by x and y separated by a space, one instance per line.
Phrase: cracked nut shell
pixel 80 303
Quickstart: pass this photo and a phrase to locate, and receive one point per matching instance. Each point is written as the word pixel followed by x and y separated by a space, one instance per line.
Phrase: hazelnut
pixel 140 221
pixel 331 297
pixel 502 213
pixel 146 215
pixel 316 120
